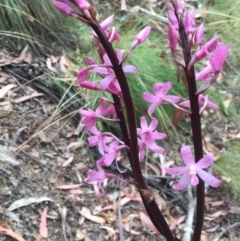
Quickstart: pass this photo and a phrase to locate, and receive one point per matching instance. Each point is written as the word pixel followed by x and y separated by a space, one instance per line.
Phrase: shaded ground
pixel 43 155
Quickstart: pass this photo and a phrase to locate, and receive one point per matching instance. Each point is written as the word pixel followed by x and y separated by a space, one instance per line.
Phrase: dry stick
pixel 226 230
pixel 189 222
pixel 160 18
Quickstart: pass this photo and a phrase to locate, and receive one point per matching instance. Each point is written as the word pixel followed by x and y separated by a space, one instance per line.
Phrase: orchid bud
pixel 202 53
pixel 83 5
pixel 173 19
pixel 140 37
pixel 190 22
pixel 63 6
pixel 199 35
pixel 173 37
pixel 179 6
pixel 169 6
pixel 107 22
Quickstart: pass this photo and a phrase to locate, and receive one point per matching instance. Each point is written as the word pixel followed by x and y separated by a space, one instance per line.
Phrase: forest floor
pixel 44 159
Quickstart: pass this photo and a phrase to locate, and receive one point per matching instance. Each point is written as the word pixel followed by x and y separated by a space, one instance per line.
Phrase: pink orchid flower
pixel 100 139
pixel 111 153
pixel 160 90
pixel 90 116
pixel 108 73
pixel 192 171
pixel 202 101
pixel 218 58
pixel 99 176
pixel 148 135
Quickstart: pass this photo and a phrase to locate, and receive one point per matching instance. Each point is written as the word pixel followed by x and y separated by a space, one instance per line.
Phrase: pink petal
pixel 166 87
pixel 109 158
pixel 172 98
pixel 92 140
pixel 152 108
pixel 208 178
pixel 89 85
pixel 212 105
pixel 101 70
pixel 206 161
pixel 183 182
pixel 107 22
pixel 153 124
pixel 185 103
pixel 157 88
pixel 90 61
pixel 88 112
pixel 177 170
pixel 194 180
pixel 204 74
pixel 158 136
pixel 187 156
pixel 143 123
pixel 82 74
pixel 130 69
pixel 149 97
pixel 106 81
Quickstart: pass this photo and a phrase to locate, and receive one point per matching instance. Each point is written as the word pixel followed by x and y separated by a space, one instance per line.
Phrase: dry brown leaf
pixel 69 186
pixel 213 229
pixel 85 212
pixel 27 201
pixel 177 116
pixel 64 64
pixel 10 233
pixel 6 108
pixel 146 222
pixel 76 144
pixel 27 97
pixel 43 224
pixel 215 215
pixel 5 89
pixel 69 160
pixel 214 204
pixel 22 55
pixel 129 229
pixel 44 138
pixel 79 235
pixel 154 168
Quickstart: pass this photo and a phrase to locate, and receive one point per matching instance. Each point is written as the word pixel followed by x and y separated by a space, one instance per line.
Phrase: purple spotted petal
pixel 206 161
pixel 208 178
pixel 183 182
pixel 187 155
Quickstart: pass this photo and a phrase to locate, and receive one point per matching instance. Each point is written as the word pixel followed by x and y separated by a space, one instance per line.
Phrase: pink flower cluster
pixel 216 52
pixel 109 145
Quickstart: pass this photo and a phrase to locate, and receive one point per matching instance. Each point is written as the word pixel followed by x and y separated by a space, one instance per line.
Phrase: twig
pixel 226 230
pixel 160 18
pixel 189 222
pixel 123 5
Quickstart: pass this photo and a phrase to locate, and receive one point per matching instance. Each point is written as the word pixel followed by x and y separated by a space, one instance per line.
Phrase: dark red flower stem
pixel 196 129
pixel 130 138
